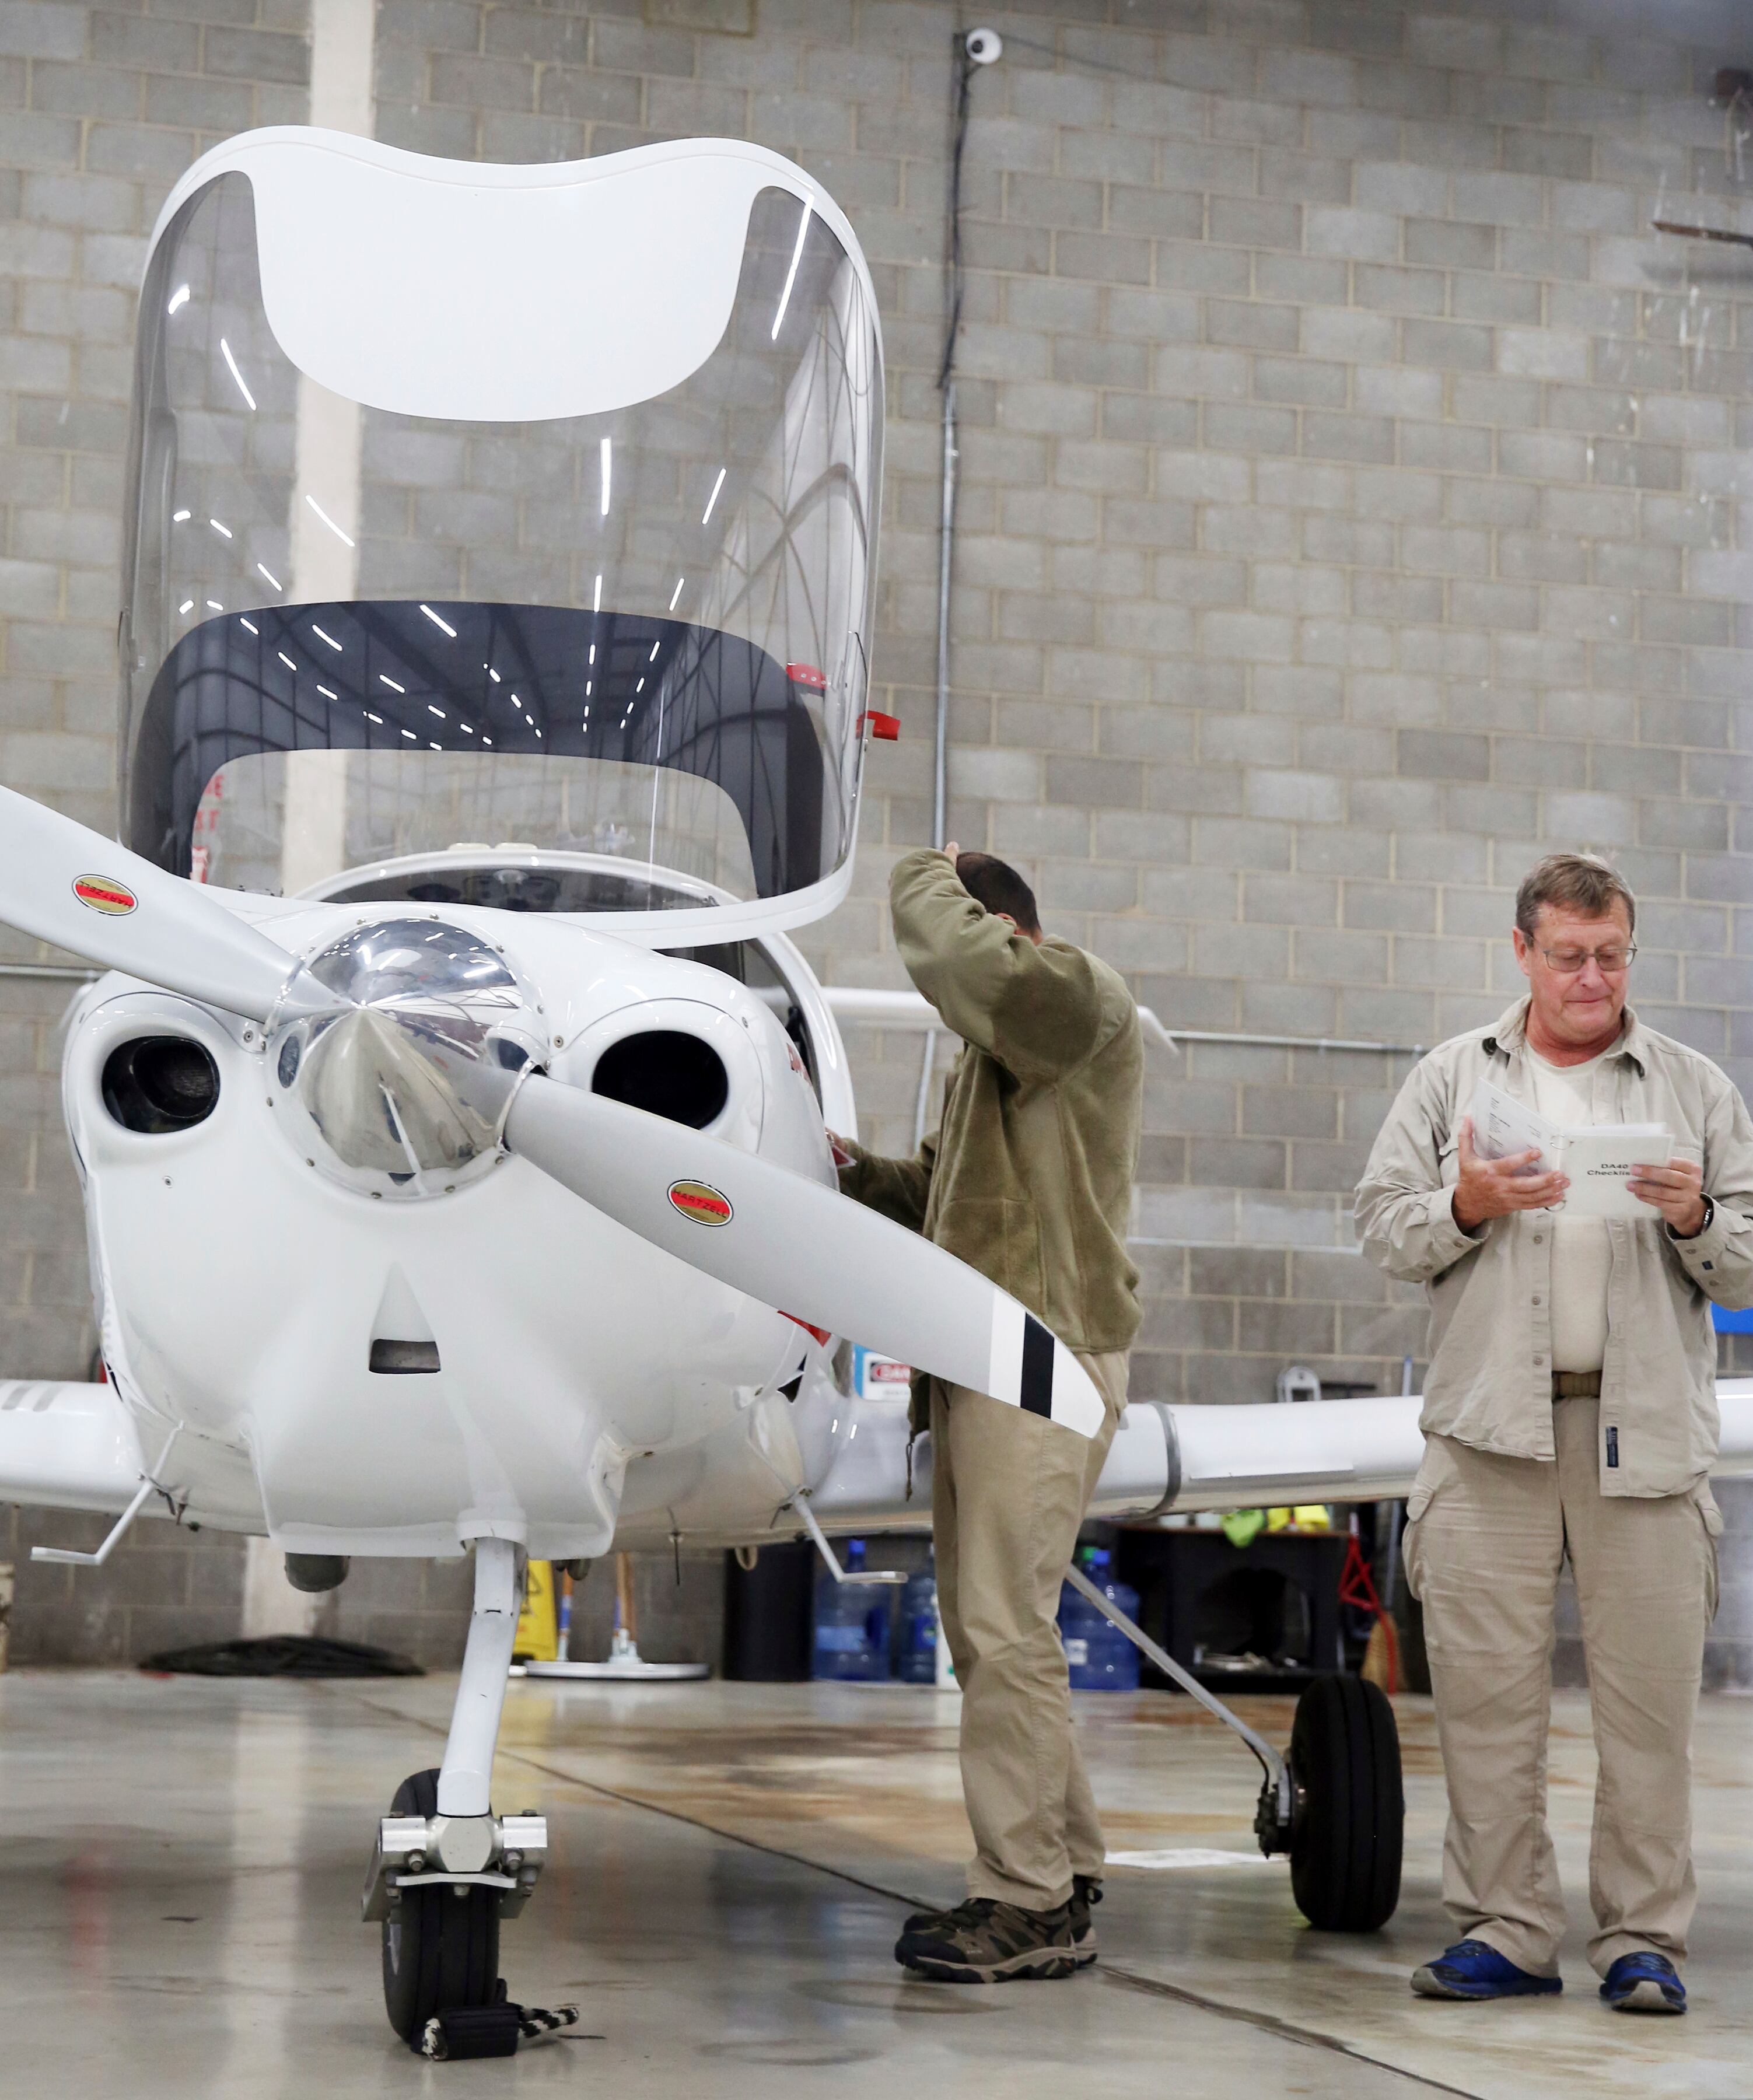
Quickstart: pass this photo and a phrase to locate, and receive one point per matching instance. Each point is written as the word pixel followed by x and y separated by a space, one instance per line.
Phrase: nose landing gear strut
pixel 446 1870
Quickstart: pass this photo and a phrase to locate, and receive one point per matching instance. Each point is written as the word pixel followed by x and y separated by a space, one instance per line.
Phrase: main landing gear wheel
pixel 1349 1814
pixel 441 1943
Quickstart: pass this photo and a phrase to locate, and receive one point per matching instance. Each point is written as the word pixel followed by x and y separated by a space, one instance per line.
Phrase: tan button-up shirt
pixel 1490 1383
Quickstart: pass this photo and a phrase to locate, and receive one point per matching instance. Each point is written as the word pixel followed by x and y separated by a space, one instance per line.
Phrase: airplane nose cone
pixel 399 1083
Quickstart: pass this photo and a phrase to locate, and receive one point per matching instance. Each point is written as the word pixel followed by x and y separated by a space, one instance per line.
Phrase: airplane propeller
pixel 798 1246
pixel 64 883
pixel 791 1243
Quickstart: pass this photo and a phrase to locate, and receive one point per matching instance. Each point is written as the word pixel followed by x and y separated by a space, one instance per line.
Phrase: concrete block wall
pixel 101 109
pixel 1353 505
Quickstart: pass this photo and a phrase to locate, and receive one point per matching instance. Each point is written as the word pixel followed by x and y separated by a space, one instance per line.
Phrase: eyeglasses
pixel 1566 962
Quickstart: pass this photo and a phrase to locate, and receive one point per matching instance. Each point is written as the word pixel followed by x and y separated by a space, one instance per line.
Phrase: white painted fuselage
pixel 587 1382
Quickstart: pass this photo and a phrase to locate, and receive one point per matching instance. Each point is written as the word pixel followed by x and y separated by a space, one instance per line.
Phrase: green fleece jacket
pixel 1029 1178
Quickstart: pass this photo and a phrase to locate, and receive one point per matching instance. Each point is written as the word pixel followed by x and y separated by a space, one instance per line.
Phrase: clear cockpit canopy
pixel 583 663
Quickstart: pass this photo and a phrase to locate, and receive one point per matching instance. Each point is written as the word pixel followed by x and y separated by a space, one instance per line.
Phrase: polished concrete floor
pixel 180 1862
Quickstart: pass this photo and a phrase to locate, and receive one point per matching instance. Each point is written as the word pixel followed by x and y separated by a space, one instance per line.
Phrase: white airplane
pixel 451 1118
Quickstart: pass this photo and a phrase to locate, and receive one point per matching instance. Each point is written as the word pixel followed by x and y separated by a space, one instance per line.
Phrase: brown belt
pixel 1576 1385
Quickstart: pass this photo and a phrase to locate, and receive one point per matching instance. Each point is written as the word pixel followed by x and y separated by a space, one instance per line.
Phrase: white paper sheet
pixel 1599 1158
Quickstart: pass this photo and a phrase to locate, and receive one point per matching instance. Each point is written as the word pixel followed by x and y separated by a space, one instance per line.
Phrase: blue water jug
pixel 851 1625
pixel 1099 1655
pixel 919 1629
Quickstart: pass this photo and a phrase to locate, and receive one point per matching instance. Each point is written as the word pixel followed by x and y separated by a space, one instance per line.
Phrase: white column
pixel 326 467
pixel 326 471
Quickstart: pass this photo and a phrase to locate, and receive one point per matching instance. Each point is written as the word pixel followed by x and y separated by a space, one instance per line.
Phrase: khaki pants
pixel 1008 1491
pixel 1483 1551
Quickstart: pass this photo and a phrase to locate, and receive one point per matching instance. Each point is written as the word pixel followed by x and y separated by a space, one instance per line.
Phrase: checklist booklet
pixel 1599 1157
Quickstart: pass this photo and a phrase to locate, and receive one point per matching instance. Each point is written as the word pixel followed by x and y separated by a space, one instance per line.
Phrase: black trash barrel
pixel 767 1615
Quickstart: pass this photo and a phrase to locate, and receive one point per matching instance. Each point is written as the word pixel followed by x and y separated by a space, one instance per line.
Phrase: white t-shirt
pixel 1582 1252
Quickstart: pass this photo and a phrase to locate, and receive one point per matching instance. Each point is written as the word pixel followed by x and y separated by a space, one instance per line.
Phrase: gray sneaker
pixel 984 1941
pixel 1086 1891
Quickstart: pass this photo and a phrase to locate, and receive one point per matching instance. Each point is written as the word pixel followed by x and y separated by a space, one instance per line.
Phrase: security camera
pixel 984 46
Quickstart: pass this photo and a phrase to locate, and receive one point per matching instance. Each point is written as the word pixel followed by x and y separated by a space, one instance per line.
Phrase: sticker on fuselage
pixel 115 900
pixel 698 1200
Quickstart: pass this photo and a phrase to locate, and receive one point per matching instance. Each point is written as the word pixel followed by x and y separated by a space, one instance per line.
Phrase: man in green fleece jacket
pixel 1029 1181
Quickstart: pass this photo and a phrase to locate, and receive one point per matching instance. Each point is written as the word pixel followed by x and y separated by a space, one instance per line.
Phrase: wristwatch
pixel 1709 1213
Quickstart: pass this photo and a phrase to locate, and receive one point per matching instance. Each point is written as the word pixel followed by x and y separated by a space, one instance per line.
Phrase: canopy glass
pixel 353 636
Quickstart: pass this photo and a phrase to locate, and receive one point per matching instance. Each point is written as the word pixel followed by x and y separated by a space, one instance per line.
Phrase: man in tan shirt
pixel 1029 1181
pixel 1569 1412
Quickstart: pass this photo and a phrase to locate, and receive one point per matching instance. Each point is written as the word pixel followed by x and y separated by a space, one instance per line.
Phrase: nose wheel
pixel 440 1942
pixel 446 1869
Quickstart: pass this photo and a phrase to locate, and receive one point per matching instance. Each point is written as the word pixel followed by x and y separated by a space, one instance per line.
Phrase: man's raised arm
pixel 1035 1007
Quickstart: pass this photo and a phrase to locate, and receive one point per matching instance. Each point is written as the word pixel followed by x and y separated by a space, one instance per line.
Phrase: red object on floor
pixel 1357 1586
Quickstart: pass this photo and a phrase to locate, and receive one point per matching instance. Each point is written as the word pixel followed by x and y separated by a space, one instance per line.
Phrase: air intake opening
pixel 156 1084
pixel 667 1073
pixel 400 1359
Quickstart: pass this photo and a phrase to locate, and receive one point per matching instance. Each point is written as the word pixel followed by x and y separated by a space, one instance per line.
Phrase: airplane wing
pixel 1168 1457
pixel 67 1446
pixel 912 1009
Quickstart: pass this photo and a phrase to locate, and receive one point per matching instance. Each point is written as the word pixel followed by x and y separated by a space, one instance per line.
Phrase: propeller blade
pixel 65 884
pixel 800 1247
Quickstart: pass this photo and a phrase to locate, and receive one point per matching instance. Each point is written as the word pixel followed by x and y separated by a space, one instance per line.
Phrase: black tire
pixel 1350 1816
pixel 440 1949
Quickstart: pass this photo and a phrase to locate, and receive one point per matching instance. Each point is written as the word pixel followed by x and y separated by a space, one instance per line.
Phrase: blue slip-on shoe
pixel 1643 1983
pixel 1471 1970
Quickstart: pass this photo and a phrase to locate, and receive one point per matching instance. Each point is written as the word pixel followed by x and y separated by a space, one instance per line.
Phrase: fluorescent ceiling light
pixel 677 592
pixel 187 606
pixel 711 500
pixel 179 518
pixel 249 623
pixel 270 576
pixel 242 389
pixel 791 275
pixel 179 299
pixel 322 634
pixel 286 660
pixel 596 602
pixel 218 527
pixel 341 536
pixel 443 625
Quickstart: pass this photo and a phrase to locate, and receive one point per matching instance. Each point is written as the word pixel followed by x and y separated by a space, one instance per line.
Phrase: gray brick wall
pixel 1353 503
pixel 101 109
